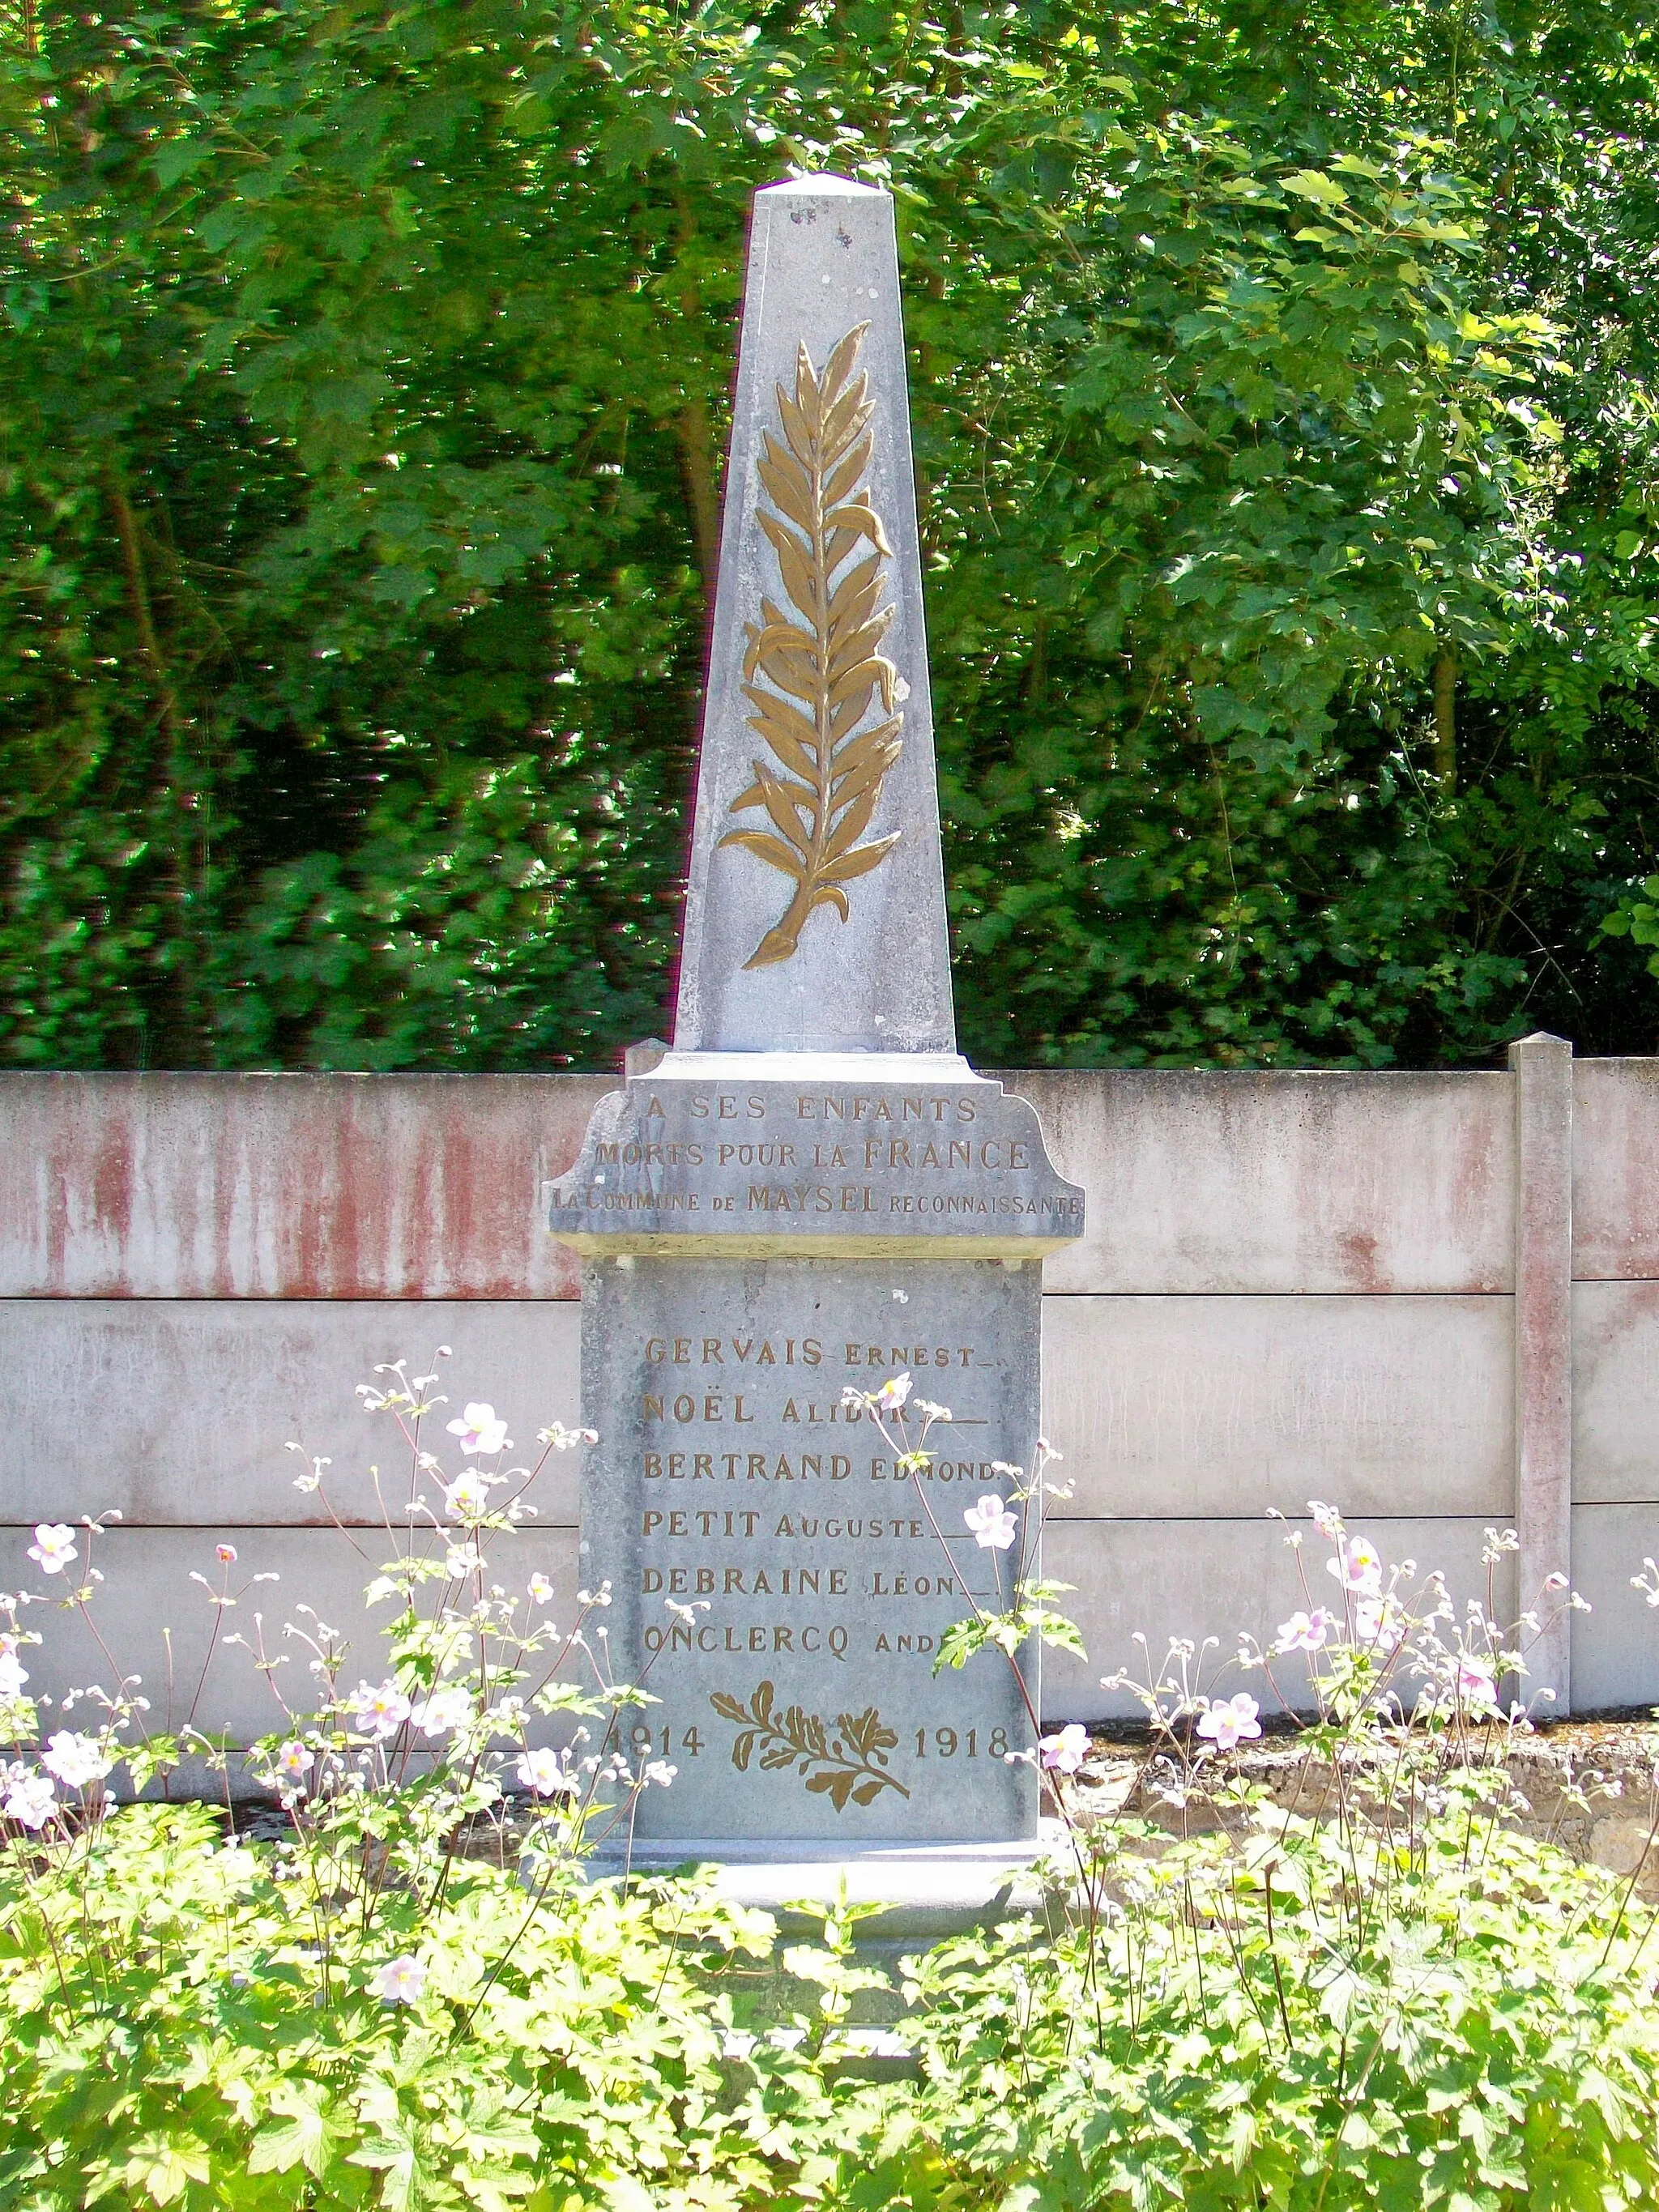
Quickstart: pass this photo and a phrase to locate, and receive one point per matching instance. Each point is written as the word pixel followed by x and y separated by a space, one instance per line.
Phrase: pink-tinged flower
pixel 13 1675
pixel 401 1982
pixel 479 1431
pixel 467 1498
pixel 1305 1631
pixel 1475 1685
pixel 53 1546
pixel 541 1590
pixel 1326 1519
pixel 77 1760
pixel 226 1554
pixel 1357 1566
pixel 890 1398
pixel 295 1760
pixel 448 1708
pixel 992 1525
pixel 1378 1622
pixel 1227 1724
pixel 380 1711
pixel 1064 1752
pixel 29 1799
pixel 543 1771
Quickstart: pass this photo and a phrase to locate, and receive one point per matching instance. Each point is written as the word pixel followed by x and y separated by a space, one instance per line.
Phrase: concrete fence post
pixel 1542 1066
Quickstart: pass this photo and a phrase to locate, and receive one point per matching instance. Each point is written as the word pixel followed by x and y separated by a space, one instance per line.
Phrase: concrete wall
pixel 1433 1299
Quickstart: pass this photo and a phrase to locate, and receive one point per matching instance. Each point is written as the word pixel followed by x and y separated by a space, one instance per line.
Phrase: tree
pixel 1285 471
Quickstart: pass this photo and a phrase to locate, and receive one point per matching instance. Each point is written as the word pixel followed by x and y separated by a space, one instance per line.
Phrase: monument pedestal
pixel 927 1891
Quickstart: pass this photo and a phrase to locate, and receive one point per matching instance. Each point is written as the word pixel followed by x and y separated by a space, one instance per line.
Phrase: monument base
pixel 926 1891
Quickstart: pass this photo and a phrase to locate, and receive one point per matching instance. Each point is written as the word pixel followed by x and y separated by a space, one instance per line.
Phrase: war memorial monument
pixel 813 1193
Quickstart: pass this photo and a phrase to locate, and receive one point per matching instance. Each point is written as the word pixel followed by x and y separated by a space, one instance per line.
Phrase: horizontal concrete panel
pixel 285 1186
pixel 1188 1407
pixel 154 1621
pixel 1225 1579
pixel 1615 1168
pixel 1615 1646
pixel 179 1410
pixel 1321 1181
pixel 1615 1391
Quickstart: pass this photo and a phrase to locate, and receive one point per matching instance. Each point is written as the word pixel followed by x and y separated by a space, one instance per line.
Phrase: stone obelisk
pixel 812 1192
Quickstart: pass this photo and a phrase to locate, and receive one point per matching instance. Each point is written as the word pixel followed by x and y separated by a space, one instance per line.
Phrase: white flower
pixel 890 1398
pixel 293 1760
pixel 930 1411
pixel 1064 1752
pixel 541 1590
pixel 1305 1631
pixel 658 1771
pixel 467 1498
pixel 1228 1721
pixel 564 1439
pixel 1326 1519
pixel 1378 1620
pixel 479 1431
pixel 379 1712
pixel 463 1559
pixel 29 1799
pixel 402 1982
pixel 544 1772
pixel 449 1707
pixel 53 1546
pixel 13 1677
pixel 74 1759
pixel 1474 1683
pixel 1357 1566
pixel 991 1525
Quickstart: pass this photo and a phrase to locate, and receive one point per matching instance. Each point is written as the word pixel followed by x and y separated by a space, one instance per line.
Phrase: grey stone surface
pixel 179 1410
pixel 1291 1181
pixel 822 263
pixel 1615 1169
pixel 1615 1646
pixel 730 1478
pixel 1172 1408
pixel 816 1156
pixel 1615 1393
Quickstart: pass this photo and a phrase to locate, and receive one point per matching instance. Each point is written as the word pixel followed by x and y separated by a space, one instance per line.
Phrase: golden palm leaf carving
pixel 822 667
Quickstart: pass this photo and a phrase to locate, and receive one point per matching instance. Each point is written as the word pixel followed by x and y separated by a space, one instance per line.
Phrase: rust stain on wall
pixel 285 1187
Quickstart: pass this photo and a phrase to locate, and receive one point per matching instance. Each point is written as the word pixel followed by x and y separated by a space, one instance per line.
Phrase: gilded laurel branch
pixel 822 666
pixel 852 1763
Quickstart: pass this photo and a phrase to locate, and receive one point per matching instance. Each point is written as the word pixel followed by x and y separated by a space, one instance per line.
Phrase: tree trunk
pixel 1445 716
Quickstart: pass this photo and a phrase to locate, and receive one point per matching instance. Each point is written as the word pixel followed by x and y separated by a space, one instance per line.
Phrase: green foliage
pixel 1362 1989
pixel 1636 917
pixel 1233 2033
pixel 361 401
pixel 176 2032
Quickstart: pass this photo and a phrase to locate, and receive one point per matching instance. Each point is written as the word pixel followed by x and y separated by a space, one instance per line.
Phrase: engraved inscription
pixel 756 1528
pixel 789 1164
